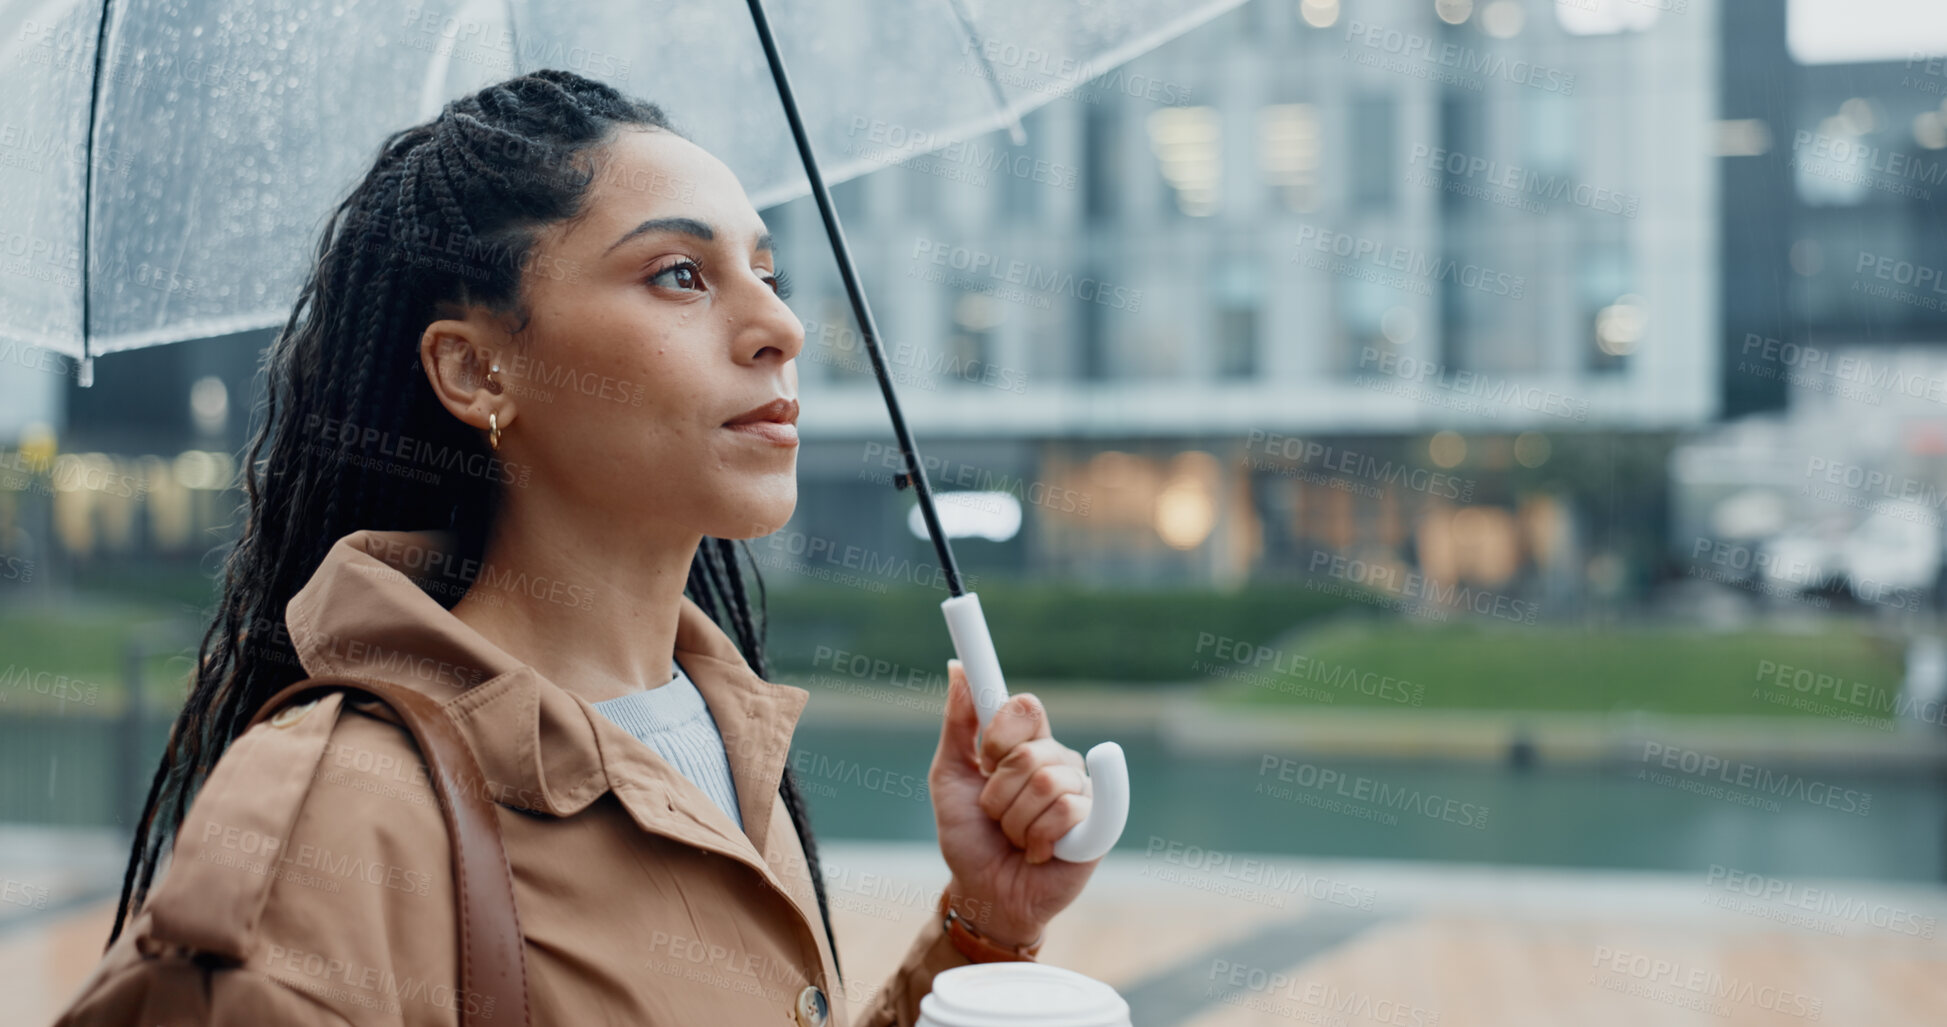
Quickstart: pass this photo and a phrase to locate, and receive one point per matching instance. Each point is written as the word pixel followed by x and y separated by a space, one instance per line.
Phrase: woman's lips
pixel 777 433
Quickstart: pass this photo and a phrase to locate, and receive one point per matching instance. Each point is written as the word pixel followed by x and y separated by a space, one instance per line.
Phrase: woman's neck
pixel 591 607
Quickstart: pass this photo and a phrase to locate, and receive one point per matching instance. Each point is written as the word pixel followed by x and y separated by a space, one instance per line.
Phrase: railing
pixel 83 767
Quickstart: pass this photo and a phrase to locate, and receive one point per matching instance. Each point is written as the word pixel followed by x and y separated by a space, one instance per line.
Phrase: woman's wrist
pixel 982 915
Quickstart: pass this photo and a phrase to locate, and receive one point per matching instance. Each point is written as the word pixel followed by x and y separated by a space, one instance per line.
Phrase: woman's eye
pixel 780 284
pixel 680 275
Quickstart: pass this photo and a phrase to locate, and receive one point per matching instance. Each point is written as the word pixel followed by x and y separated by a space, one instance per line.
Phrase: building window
pixel 1237 296
pixel 1099 166
pixel 1550 134
pixel 1372 154
pixel 833 342
pixel 1020 193
pixel 1612 317
pixel 1822 181
pixel 1463 131
pixel 1188 144
pixel 1091 344
pixel 1288 152
pixel 1586 19
pixel 970 336
pixel 922 188
pixel 1363 306
pixel 1236 341
pixel 848 199
pixel 1253 21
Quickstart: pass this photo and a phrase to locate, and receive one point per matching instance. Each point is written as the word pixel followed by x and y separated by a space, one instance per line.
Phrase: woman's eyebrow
pixel 687 226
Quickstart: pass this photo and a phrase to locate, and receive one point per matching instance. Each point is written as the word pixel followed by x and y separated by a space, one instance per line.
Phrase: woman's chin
pixel 757 520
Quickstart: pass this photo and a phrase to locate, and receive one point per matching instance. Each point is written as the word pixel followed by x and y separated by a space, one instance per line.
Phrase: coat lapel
pixel 757 725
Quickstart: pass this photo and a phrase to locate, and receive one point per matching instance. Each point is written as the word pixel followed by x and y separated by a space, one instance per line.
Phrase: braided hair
pixel 445 217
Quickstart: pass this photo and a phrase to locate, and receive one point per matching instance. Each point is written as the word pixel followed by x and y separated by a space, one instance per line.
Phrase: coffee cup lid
pixel 1020 995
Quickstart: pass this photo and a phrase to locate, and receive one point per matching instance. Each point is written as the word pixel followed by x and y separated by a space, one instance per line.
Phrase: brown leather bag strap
pixel 493 961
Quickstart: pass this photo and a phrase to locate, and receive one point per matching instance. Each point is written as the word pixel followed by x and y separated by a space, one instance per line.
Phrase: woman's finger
pixel 1049 784
pixel 1058 819
pixel 1014 770
pixel 1020 719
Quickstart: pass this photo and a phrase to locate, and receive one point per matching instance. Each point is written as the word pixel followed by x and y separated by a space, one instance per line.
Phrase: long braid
pixel 347 355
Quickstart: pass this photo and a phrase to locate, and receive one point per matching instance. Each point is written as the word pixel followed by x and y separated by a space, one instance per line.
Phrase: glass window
pixel 1099 165
pixel 1837 169
pixel 1362 306
pixel 1188 144
pixel 1463 132
pixel 1549 133
pixel 1091 344
pixel 1020 192
pixel 1371 153
pixel 848 199
pixel 1610 314
pixel 832 341
pixel 1237 296
pixel 922 180
pixel 970 336
pixel 1288 154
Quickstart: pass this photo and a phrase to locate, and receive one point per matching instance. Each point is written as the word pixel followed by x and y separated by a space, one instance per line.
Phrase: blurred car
pixel 1891 557
pixel 1894 551
pixel 1801 560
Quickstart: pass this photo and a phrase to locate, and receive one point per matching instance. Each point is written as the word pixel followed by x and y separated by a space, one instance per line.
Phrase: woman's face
pixel 655 322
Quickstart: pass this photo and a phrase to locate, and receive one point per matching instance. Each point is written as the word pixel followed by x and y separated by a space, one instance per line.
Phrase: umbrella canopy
pixel 169 163
pixel 177 157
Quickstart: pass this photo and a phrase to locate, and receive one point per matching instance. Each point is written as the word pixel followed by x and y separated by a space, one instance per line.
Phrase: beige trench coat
pixel 318 854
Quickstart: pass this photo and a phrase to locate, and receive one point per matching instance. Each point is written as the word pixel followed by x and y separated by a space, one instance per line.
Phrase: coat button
pixel 812 1010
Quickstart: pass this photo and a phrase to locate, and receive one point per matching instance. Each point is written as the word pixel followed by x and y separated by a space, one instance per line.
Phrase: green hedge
pixel 1666 668
pixel 1042 631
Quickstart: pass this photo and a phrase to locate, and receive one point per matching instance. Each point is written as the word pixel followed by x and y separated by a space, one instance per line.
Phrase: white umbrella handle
pixel 1108 770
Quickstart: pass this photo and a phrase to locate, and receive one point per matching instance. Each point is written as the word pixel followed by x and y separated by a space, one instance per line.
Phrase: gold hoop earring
pixel 493 429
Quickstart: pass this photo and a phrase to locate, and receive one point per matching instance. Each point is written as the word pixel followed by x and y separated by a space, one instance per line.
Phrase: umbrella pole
pixel 915 473
pixel 85 375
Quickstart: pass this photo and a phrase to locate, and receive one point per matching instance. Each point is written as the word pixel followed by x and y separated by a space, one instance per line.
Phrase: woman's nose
pixel 771 329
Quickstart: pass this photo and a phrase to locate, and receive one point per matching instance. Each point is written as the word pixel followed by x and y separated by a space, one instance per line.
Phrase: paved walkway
pixel 1194 939
pixel 1363 943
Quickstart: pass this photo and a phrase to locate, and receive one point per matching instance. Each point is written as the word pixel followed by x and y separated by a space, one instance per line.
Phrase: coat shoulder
pixel 315 856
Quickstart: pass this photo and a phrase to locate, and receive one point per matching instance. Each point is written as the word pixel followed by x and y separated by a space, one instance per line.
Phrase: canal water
pixel 869 783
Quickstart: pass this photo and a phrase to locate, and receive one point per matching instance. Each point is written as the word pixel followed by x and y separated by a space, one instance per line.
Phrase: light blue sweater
pixel 674 721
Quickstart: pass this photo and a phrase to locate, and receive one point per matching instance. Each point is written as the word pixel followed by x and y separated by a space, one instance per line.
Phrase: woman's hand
pixel 1000 808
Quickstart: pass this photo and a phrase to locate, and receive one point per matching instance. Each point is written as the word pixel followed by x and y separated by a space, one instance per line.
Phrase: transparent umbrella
pixel 168 162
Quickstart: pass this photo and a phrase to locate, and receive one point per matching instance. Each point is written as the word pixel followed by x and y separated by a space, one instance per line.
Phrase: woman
pixel 540 379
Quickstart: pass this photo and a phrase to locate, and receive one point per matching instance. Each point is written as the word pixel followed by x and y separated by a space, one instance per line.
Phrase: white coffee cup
pixel 1020 995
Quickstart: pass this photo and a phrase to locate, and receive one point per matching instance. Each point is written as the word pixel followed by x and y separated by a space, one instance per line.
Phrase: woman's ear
pixel 458 355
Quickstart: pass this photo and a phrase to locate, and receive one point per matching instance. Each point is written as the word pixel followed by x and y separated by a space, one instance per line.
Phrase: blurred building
pixel 1834 151
pixel 1315 278
pixel 1835 175
pixel 1310 277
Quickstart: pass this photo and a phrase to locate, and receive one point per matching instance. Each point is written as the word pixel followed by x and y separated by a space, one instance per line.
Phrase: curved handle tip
pixel 1108 776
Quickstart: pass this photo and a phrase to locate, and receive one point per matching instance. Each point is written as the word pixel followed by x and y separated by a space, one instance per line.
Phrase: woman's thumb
pixel 960 724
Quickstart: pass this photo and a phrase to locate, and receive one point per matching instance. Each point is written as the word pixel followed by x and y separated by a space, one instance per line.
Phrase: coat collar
pixel 369 611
